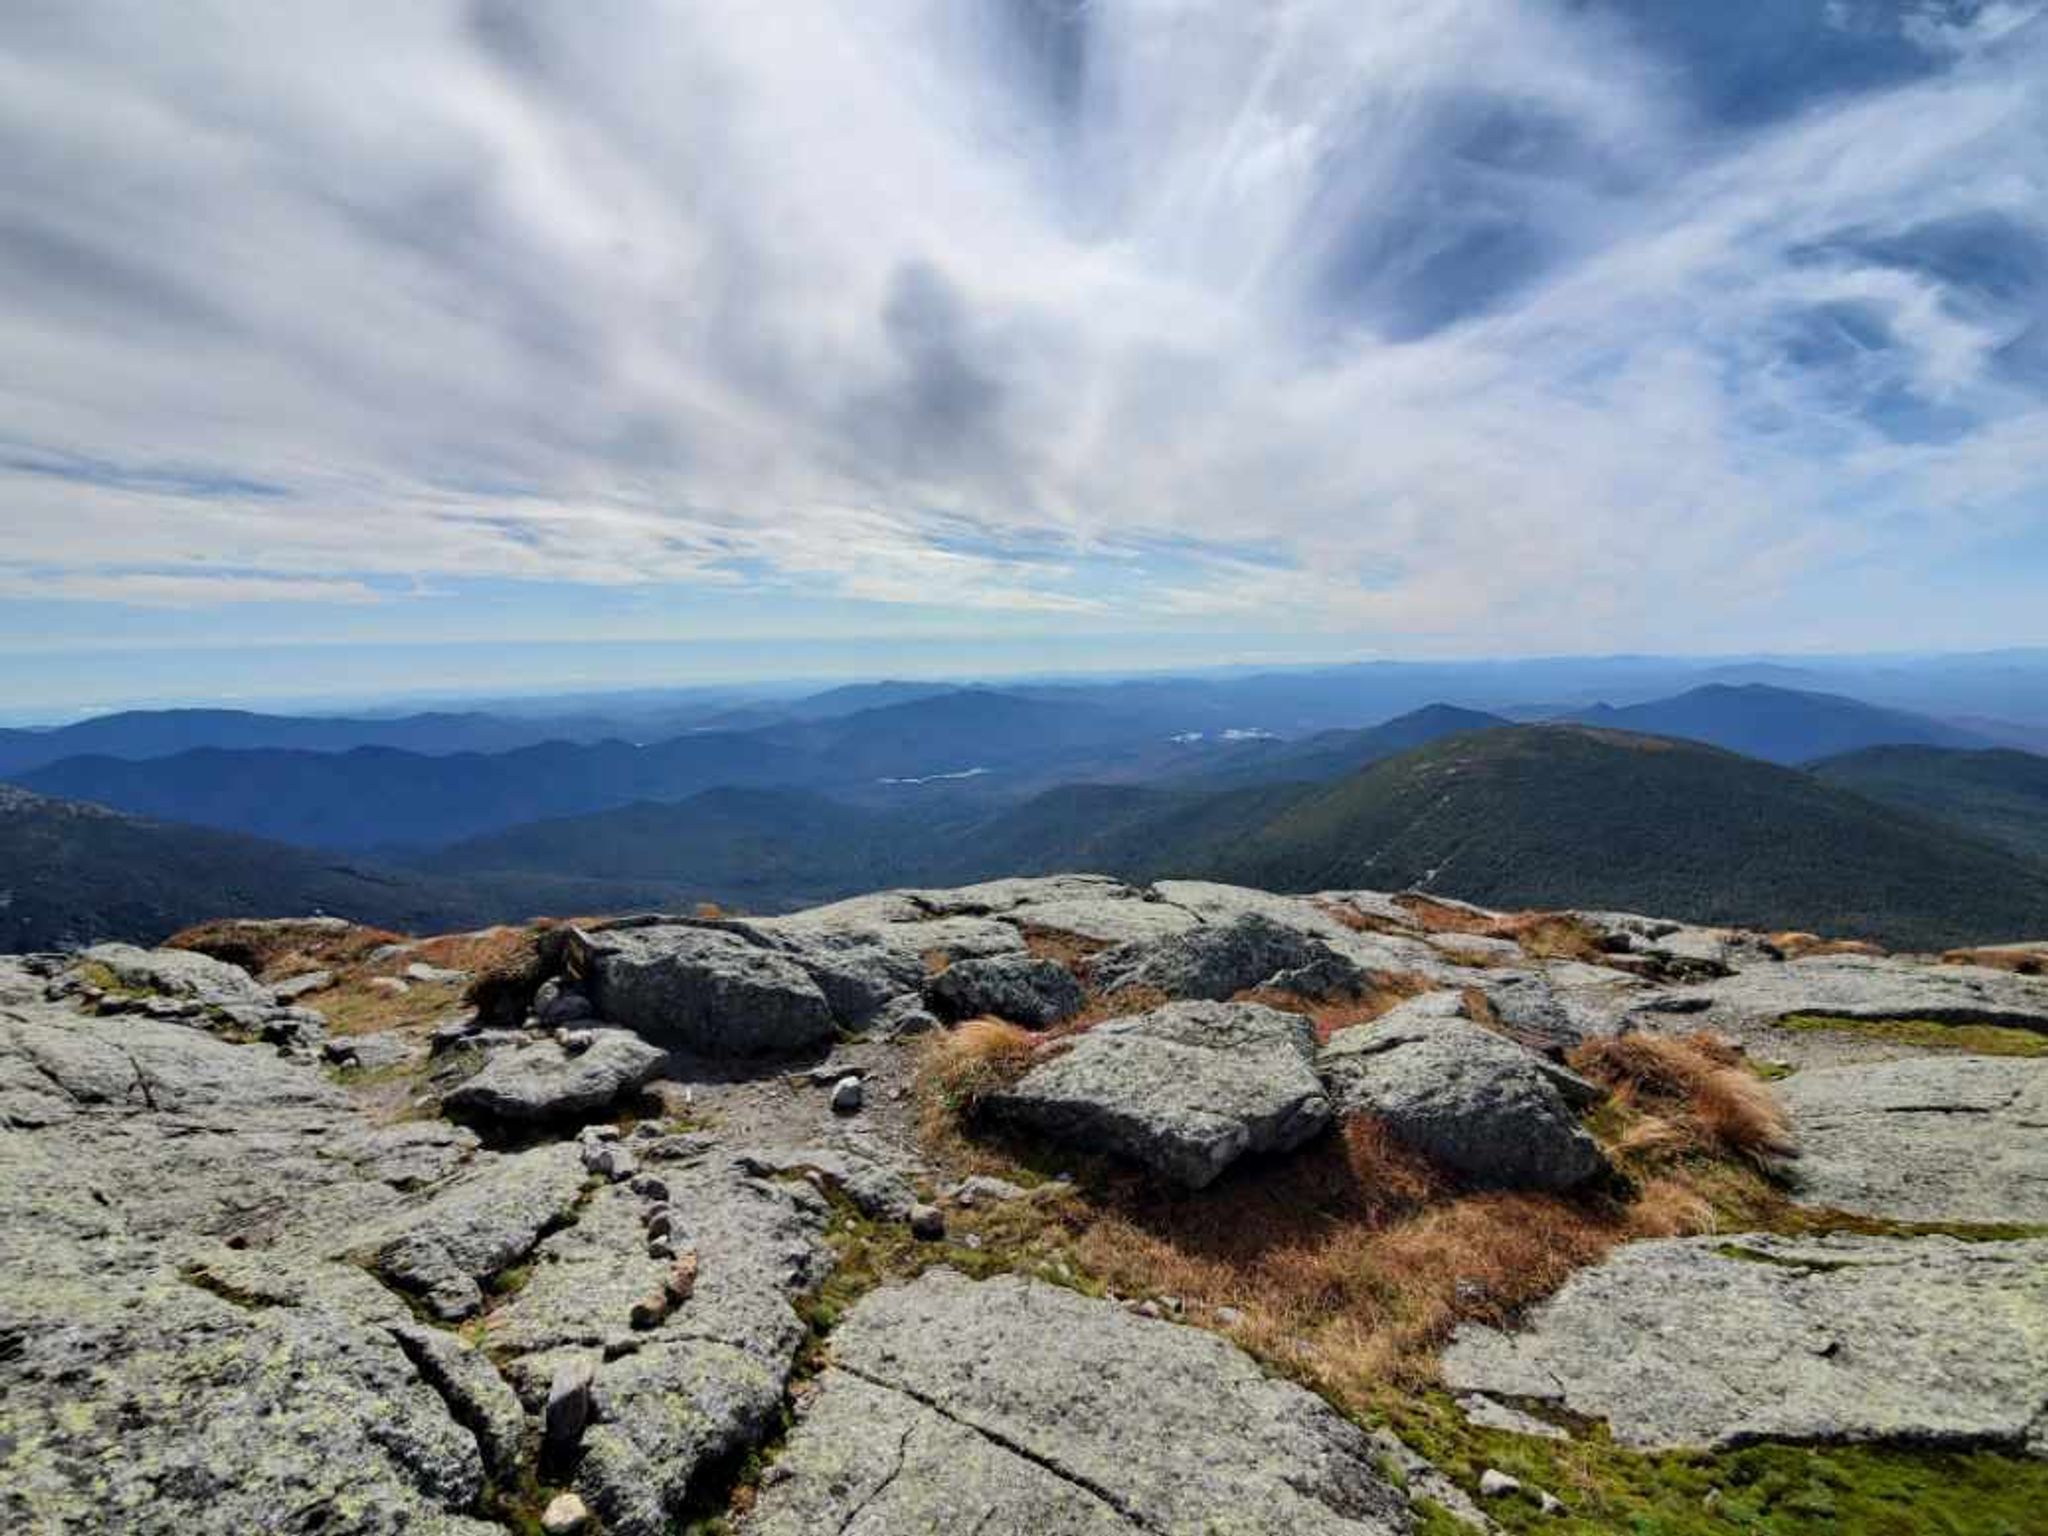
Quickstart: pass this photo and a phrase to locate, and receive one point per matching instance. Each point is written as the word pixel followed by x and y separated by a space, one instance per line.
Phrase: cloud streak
pixel 1471 325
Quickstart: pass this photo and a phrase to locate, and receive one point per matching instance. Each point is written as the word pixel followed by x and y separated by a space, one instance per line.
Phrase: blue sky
pixel 419 344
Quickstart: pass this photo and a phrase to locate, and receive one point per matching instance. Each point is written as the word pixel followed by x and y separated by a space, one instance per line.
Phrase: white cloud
pixel 1500 337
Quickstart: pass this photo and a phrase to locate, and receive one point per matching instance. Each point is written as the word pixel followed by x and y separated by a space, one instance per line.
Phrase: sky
pixel 413 343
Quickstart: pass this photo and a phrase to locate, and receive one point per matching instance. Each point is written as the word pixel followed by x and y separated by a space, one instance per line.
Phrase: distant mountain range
pixel 1530 815
pixel 1779 725
pixel 1903 829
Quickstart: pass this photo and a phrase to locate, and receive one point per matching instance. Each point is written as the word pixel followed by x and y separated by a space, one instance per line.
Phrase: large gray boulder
pixel 547 1080
pixel 1489 1110
pixel 704 990
pixel 944 1410
pixel 1719 1341
pixel 1927 1138
pixel 1185 1090
pixel 1218 961
pixel 1025 990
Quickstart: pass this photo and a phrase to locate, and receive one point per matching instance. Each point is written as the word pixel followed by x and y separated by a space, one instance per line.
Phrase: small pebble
pixel 846 1096
pixel 1496 1484
pixel 564 1516
pixel 927 1223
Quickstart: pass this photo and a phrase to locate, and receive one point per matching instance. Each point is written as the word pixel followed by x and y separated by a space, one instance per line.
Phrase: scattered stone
pixel 650 1187
pixel 945 1408
pixel 559 1001
pixel 574 1042
pixel 1928 1138
pixel 985 1189
pixel 877 1191
pixel 609 1160
pixel 1549 1502
pixel 1185 1090
pixel 544 1081
pixel 681 1281
pixel 904 1017
pixel 927 1223
pixel 1480 1105
pixel 565 1515
pixel 568 1404
pixel 1483 1411
pixel 434 975
pixel 1496 1484
pixel 397 986
pixel 296 987
pixel 846 1096
pixel 1917 1341
pixel 370 1053
pixel 1021 988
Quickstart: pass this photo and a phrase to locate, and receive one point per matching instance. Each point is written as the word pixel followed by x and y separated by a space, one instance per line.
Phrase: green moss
pixel 1777 1490
pixel 1930 1034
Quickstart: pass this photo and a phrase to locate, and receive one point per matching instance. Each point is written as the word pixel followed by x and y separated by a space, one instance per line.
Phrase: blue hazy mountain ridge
pixel 376 797
pixel 957 746
pixel 1780 725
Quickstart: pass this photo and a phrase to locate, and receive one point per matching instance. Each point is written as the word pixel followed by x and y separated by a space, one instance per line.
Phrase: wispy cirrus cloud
pixel 1481 325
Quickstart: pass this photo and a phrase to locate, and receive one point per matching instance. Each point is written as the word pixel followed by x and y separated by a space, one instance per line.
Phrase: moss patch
pixel 1784 1490
pixel 1930 1034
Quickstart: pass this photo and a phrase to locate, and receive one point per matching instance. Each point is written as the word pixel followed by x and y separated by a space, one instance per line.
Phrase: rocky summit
pixel 1044 1205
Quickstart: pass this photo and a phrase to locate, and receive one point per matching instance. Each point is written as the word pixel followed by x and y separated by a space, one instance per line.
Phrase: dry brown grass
pixel 272 951
pixel 1798 946
pixel 1552 936
pixel 1359 922
pixel 1349 1261
pixel 1101 1007
pixel 2020 959
pixel 1433 916
pixel 1685 1097
pixel 507 965
pixel 1069 949
pixel 1330 1014
pixel 959 1068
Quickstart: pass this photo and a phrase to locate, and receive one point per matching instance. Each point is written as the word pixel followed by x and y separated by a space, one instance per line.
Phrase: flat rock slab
pixel 1862 987
pixel 1185 1090
pixel 1491 1111
pixel 545 1080
pixel 1926 1138
pixel 1724 1340
pixel 945 1410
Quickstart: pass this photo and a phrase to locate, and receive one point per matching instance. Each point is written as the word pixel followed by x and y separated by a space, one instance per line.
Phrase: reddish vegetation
pixel 1330 1014
pixel 272 951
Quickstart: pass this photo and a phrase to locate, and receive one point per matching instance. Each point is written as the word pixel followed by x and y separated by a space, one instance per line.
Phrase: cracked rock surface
pixel 1926 1138
pixel 1719 1341
pixel 943 1410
